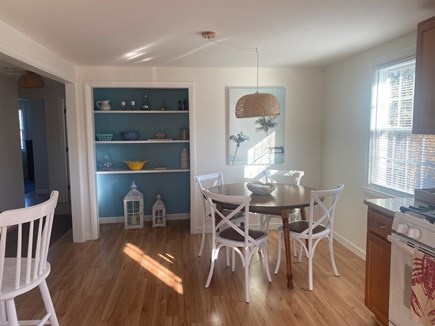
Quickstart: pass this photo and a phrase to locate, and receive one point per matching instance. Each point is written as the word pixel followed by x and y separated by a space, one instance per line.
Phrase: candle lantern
pixel 133 208
pixel 159 212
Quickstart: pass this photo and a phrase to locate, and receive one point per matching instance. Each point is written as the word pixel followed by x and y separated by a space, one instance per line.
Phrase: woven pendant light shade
pixel 257 105
pixel 31 80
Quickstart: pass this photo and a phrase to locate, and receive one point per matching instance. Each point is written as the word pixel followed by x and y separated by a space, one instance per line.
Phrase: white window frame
pixel 397 163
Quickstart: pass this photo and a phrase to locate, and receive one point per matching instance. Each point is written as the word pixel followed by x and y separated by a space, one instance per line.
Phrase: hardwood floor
pixel 153 276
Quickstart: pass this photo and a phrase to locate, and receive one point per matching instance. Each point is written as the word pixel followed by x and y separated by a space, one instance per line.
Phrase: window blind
pixel 398 160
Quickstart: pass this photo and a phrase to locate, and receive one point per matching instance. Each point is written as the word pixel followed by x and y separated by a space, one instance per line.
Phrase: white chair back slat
pixel 29 253
pixel 3 234
pixel 37 257
pixel 19 254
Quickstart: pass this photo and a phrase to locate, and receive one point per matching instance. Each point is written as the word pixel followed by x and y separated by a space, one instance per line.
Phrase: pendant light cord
pixel 256 50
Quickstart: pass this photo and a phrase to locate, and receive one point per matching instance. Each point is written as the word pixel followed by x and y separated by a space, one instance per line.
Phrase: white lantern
pixel 133 208
pixel 159 212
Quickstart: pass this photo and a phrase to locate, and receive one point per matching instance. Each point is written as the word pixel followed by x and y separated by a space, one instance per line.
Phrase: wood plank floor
pixel 153 276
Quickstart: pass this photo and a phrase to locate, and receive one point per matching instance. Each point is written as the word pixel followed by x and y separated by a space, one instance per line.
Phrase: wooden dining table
pixel 283 199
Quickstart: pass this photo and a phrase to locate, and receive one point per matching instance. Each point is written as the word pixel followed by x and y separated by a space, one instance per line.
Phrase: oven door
pixel 402 256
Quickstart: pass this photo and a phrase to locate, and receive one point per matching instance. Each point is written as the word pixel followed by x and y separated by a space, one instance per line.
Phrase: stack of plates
pixel 184 159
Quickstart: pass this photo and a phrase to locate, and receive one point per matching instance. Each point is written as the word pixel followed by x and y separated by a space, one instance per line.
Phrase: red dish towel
pixel 423 289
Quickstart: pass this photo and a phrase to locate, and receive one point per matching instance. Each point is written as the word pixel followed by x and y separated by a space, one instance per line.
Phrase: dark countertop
pixel 389 206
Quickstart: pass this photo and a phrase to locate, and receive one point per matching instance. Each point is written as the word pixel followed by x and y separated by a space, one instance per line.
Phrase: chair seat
pixel 302 225
pixel 233 235
pixel 8 285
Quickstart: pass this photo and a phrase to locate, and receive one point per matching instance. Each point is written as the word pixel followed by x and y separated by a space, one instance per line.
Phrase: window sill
pixel 374 193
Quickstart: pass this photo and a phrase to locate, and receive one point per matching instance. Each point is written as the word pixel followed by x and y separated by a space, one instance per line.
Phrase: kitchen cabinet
pixel 162 174
pixel 424 95
pixel 378 253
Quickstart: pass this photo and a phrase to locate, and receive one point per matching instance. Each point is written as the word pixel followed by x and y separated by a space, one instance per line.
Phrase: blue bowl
pixel 129 135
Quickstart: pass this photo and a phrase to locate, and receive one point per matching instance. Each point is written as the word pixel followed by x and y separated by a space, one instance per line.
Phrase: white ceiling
pixel 168 32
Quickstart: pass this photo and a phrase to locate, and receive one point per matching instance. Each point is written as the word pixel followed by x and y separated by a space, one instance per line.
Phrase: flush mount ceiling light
pixel 209 35
pixel 251 105
pixel 31 80
pixel 257 104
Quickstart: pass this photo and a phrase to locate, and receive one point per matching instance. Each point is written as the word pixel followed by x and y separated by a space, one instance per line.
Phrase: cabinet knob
pixel 414 233
pixel 402 228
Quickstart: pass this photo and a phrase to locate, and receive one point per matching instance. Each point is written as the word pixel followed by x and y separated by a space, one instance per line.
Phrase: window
pixel 398 160
pixel 21 119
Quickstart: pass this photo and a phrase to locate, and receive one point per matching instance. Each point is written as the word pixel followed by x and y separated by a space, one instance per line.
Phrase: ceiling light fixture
pixel 209 35
pixel 31 80
pixel 257 104
pixel 251 105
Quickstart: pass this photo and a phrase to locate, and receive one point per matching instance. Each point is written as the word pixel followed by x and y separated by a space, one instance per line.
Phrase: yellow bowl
pixel 135 165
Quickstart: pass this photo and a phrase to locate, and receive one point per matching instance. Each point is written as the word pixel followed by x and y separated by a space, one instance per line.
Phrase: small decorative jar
pixel 133 209
pixel 159 212
pixel 184 134
pixel 184 159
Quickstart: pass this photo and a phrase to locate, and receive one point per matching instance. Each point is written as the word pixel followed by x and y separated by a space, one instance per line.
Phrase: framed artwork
pixel 258 140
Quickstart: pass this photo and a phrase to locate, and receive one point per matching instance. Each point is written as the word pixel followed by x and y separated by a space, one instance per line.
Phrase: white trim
pixel 147 218
pixel 350 245
pixel 95 221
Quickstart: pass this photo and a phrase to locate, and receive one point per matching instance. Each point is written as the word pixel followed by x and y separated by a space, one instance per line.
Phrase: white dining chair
pixel 319 225
pixel 207 181
pixel 28 268
pixel 241 239
pixel 281 176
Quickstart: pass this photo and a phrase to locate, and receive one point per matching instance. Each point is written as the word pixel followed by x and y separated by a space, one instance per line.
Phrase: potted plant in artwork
pixel 266 124
pixel 240 138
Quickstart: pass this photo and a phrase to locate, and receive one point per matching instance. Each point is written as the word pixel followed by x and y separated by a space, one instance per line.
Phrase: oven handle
pixel 400 244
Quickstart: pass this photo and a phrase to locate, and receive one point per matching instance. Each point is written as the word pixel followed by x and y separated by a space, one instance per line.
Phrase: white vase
pixel 184 159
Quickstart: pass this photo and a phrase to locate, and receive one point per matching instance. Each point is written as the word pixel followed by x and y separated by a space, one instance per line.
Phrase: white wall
pixel 11 169
pixel 346 122
pixel 304 96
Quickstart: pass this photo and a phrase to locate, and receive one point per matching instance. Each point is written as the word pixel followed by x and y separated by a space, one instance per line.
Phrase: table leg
pixel 304 217
pixel 284 216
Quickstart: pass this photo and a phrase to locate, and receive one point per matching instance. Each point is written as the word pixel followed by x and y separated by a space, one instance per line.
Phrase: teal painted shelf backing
pixel 114 179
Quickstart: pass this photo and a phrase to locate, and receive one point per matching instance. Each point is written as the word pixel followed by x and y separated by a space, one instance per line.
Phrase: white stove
pixel 414 229
pixel 416 223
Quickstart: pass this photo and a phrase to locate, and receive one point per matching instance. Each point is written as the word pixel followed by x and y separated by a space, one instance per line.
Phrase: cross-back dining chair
pixel 281 176
pixel 207 181
pixel 28 268
pixel 319 225
pixel 242 240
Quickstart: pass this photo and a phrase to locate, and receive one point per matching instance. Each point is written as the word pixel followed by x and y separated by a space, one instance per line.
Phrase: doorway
pixel 34 147
pixel 44 144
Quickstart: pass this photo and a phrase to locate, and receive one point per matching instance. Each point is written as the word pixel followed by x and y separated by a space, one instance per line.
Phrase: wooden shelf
pixel 143 171
pixel 166 141
pixel 142 112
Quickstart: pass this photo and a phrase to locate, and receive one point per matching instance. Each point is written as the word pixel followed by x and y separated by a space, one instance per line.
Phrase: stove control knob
pixel 402 228
pixel 414 233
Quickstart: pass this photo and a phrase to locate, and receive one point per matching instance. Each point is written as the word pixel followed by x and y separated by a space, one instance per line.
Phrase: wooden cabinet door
pixel 424 96
pixel 378 276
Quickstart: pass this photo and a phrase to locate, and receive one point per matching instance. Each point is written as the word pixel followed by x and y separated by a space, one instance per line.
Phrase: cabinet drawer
pixel 379 224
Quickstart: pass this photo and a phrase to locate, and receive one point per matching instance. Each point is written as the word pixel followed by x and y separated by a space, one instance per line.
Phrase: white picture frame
pixel 250 141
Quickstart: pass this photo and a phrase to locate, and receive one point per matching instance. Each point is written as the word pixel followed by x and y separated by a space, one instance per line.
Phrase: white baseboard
pixel 349 245
pixel 147 218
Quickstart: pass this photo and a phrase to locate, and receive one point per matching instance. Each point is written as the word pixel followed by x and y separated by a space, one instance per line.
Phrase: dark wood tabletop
pixel 284 198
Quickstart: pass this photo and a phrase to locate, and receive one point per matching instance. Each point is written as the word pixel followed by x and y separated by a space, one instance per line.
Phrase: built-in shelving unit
pixel 162 174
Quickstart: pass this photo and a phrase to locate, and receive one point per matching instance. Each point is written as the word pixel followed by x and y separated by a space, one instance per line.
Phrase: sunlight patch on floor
pixel 154 267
